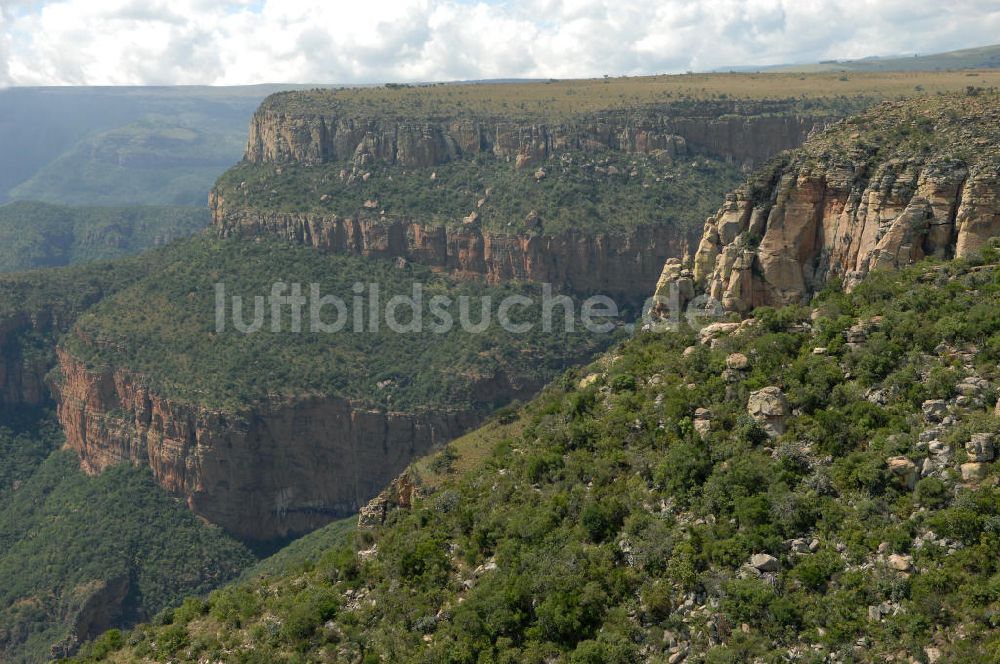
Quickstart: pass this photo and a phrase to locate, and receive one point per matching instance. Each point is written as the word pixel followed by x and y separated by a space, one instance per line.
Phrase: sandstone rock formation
pixel 769 406
pixel 281 131
pixel 616 264
pixel 278 468
pixel 907 180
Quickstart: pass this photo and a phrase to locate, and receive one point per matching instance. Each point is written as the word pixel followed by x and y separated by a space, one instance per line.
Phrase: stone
pixel 714 331
pixel 933 654
pixel 904 469
pixel 769 406
pixel 472 218
pixel 974 471
pixel 934 410
pixel 764 562
pixel 980 447
pixel 540 174
pixel 900 562
pixel 738 362
pixel 370 204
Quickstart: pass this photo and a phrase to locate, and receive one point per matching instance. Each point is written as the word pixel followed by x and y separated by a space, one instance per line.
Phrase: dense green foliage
pixel 79 553
pixel 35 235
pixel 608 529
pixel 580 192
pixel 172 339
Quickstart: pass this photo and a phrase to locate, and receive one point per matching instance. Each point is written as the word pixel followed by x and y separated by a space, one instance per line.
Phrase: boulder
pixel 764 562
pixel 714 331
pixel 900 562
pixel 980 447
pixel 974 471
pixel 904 469
pixel 738 362
pixel 769 407
pixel 934 410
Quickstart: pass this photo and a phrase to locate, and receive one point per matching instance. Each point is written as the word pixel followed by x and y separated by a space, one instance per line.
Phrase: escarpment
pixel 906 181
pixel 281 467
pixel 275 432
pixel 621 263
pixel 745 131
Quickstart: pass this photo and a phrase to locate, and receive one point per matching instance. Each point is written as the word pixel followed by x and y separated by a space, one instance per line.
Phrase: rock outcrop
pixel 747 131
pixel 613 263
pixel 906 181
pixel 277 468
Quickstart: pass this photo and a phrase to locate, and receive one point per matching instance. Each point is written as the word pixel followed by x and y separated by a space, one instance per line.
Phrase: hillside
pixel 813 483
pixel 981 57
pixel 36 235
pixel 276 431
pixel 80 555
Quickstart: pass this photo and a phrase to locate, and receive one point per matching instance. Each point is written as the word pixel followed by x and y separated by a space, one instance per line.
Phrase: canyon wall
pixel 22 374
pixel 844 206
pixel 745 131
pixel 624 264
pixel 281 467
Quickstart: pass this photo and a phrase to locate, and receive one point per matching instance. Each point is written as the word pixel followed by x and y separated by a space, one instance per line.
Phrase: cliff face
pixel 849 203
pixel 22 375
pixel 278 468
pixel 745 131
pixel 619 264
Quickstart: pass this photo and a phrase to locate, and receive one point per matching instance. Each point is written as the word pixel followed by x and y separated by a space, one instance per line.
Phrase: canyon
pixel 275 469
pixel 281 466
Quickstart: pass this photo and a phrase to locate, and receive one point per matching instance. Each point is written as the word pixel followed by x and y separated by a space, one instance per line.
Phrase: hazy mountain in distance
pixel 982 57
pixel 122 145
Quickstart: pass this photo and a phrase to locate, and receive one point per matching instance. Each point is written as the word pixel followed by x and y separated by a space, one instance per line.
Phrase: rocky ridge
pixel 905 181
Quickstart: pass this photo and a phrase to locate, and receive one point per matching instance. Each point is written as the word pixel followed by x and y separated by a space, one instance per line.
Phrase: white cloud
pixel 113 42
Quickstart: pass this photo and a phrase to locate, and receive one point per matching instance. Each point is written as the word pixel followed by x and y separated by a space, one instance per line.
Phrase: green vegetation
pixel 80 554
pixel 604 528
pixel 947 130
pixel 34 235
pixel 172 339
pixel 581 192
pixel 818 93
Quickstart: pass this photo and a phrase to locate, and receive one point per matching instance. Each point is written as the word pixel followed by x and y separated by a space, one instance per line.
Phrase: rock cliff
pixel 905 181
pixel 748 131
pixel 621 263
pixel 278 468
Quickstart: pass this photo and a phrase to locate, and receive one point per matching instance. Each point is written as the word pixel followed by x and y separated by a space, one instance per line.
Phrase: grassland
pixel 816 92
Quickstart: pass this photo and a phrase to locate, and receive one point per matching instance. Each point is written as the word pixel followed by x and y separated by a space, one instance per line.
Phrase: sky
pixel 220 42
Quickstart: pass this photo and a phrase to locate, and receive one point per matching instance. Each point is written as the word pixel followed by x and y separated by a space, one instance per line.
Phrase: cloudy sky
pixel 119 42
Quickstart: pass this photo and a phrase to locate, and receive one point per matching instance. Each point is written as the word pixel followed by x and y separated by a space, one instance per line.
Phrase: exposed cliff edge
pixel 745 131
pixel 620 263
pixel 905 181
pixel 281 467
pixel 276 432
pixel 38 307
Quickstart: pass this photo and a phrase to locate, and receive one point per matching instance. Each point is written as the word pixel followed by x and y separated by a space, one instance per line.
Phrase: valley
pixel 720 494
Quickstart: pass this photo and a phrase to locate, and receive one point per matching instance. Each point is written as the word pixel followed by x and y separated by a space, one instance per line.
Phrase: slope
pixel 812 483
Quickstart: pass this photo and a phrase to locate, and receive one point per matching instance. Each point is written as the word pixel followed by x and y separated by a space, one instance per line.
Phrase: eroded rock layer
pixel 278 468
pixel 747 131
pixel 621 263
pixel 903 182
